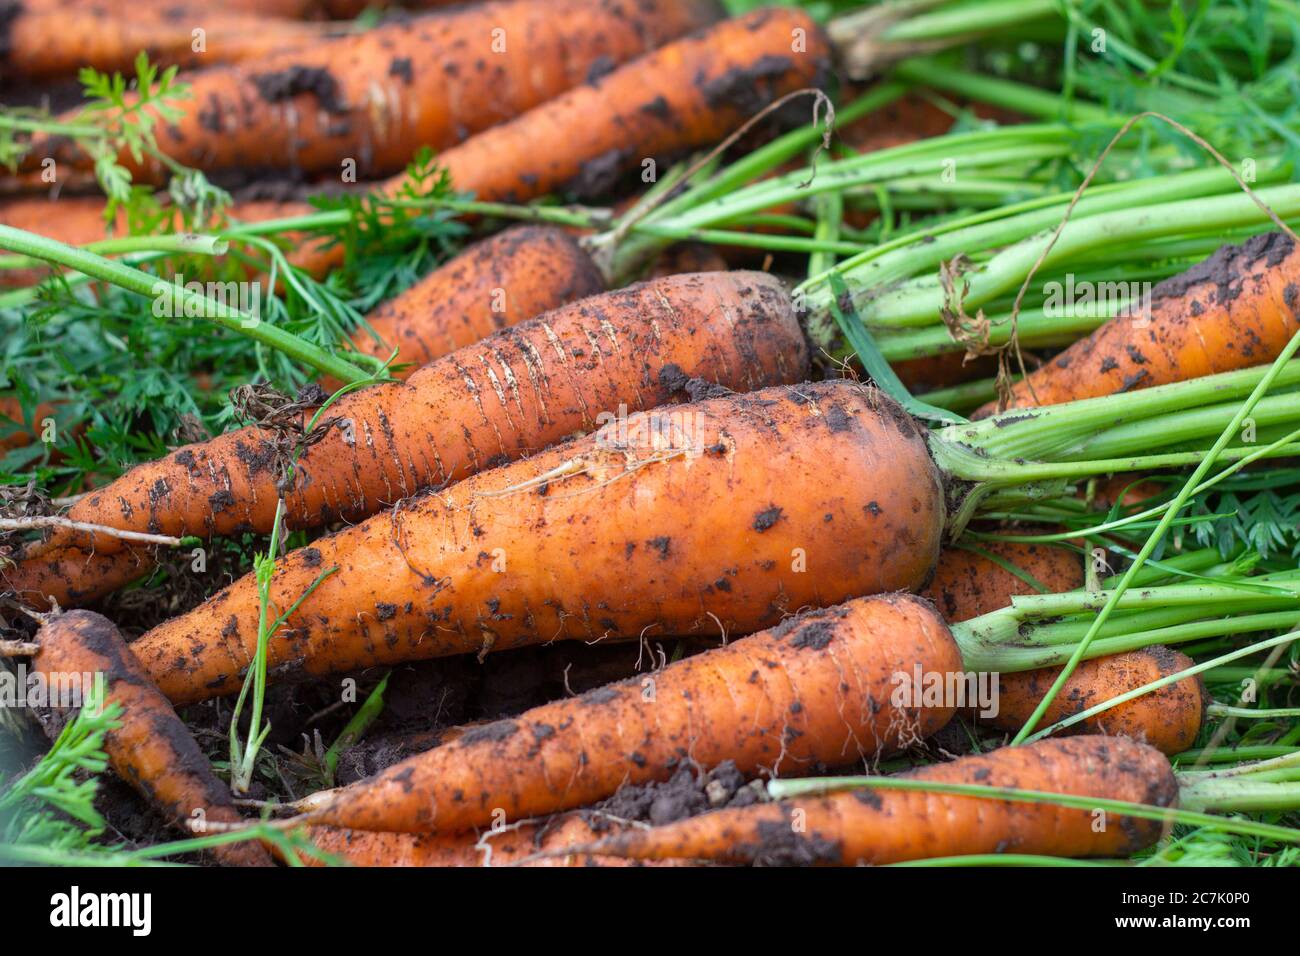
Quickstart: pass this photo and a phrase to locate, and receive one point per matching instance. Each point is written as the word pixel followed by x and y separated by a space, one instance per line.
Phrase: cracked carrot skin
pixel 498 282
pixel 516 845
pixel 1238 308
pixel 876 827
pixel 725 513
pixel 512 394
pixel 1168 719
pixel 967 584
pixel 816 690
pixel 378 96
pixel 152 750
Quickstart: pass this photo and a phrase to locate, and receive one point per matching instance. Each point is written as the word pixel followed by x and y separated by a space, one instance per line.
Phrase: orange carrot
pixel 966 584
pixel 46 45
pixel 512 276
pixel 1236 309
pixel 816 690
pixel 511 394
pixel 687 94
pixel 1168 719
pixel 725 513
pixel 15 430
pixel 890 826
pixel 376 97
pixel 517 844
pixel 151 749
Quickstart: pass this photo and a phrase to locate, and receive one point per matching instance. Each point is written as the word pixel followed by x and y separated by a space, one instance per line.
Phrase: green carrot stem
pixel 1030 101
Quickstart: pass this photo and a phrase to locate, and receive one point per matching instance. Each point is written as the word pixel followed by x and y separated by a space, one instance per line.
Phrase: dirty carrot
pixel 152 749
pixel 509 277
pixel 52 44
pixel 374 98
pixel 514 393
pixel 718 515
pixel 866 826
pixel 515 844
pixel 816 690
pixel 687 94
pixel 1168 719
pixel 968 583
pixel 1235 309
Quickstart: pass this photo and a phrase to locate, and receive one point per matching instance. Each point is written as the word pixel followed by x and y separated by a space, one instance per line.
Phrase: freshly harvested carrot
pixel 42 45
pixel 890 826
pixel 292 9
pixel 725 513
pixel 73 577
pixel 1168 719
pixel 517 844
pixel 151 749
pixel 687 94
pixel 967 584
pixel 509 277
pixel 376 97
pixel 17 432
pixel 1236 309
pixel 814 691
pixel 515 392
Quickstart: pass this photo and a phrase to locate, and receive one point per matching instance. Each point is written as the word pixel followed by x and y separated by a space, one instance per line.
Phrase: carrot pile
pixel 621 554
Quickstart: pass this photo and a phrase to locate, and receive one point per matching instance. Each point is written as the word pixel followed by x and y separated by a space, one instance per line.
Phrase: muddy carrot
pixel 816 690
pixel 47 45
pixel 1168 719
pixel 724 513
pixel 890 826
pixel 967 584
pixel 516 844
pixel 692 519
pixel 509 277
pixel 151 749
pixel 1236 309
pixel 688 94
pixel 374 98
pixel 511 394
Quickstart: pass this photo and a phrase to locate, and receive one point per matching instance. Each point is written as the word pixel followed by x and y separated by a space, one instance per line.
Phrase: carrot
pixel 718 515
pixel 151 749
pixel 1236 309
pixel 46 45
pixel 687 94
pixel 291 9
pixel 376 97
pixel 1168 719
pixel 73 577
pixel 967 584
pixel 509 395
pixel 513 845
pixel 889 826
pixel 724 513
pixel 815 690
pixel 16 431
pixel 512 276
